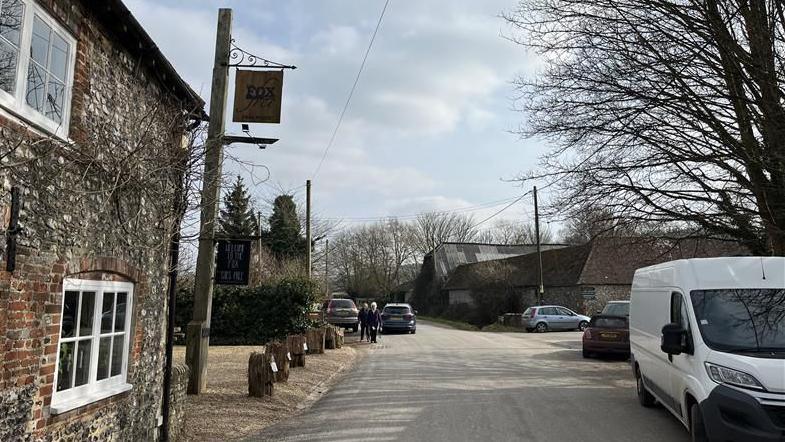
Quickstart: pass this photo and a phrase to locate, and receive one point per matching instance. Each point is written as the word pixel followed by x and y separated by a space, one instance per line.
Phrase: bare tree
pixel 374 259
pixel 508 233
pixel 662 111
pixel 434 228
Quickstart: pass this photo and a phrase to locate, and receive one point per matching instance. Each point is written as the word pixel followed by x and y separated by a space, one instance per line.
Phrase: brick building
pixel 94 123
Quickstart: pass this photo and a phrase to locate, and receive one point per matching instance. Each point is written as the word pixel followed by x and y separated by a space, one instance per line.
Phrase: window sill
pixel 34 123
pixel 89 398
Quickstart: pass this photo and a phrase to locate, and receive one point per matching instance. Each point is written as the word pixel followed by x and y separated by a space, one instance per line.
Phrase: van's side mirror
pixel 674 339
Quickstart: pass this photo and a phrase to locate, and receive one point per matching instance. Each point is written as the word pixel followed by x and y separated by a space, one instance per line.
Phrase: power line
pixel 474 208
pixel 502 209
pixel 351 92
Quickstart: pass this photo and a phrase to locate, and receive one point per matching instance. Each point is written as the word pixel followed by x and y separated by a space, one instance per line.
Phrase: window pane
pixel 119 321
pixel 70 307
pixel 11 20
pixel 39 47
pixel 35 87
pixel 117 355
pixel 59 59
pixel 8 60
pixel 65 366
pixel 104 347
pixel 86 314
pixel 106 313
pixel 55 95
pixel 83 362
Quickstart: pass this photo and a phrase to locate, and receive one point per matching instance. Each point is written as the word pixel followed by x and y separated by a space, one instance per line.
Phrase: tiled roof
pixel 603 261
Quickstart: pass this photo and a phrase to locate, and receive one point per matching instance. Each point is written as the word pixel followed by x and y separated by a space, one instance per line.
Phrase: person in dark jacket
pixel 362 317
pixel 374 321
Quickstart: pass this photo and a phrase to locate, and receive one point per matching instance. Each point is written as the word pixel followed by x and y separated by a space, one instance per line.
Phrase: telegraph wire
pixel 351 92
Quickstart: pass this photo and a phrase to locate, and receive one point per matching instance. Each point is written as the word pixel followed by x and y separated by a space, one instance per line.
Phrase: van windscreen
pixel 744 320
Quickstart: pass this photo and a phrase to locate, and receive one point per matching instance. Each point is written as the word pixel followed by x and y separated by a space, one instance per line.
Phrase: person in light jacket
pixel 374 321
pixel 362 317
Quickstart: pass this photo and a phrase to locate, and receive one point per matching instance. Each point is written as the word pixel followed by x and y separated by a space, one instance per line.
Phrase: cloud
pixel 434 91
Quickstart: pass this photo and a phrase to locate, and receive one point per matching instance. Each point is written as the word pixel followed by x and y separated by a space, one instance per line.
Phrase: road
pixel 449 385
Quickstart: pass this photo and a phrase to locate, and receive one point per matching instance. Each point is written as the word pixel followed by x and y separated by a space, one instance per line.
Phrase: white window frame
pixel 94 389
pixel 16 103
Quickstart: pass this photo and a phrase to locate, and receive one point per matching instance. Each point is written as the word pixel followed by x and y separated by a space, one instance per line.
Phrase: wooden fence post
pixel 295 344
pixel 280 352
pixel 260 375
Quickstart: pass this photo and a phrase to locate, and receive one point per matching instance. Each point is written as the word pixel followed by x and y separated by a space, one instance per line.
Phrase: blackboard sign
pixel 233 262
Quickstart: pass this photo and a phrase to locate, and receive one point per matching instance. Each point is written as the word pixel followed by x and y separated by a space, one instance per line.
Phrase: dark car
pixel 607 335
pixel 399 317
pixel 342 313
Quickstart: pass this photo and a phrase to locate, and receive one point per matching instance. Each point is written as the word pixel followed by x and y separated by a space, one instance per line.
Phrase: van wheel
pixel 697 428
pixel 541 327
pixel 586 354
pixel 582 326
pixel 644 397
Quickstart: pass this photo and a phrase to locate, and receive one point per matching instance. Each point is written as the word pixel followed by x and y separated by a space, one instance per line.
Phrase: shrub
pixel 256 315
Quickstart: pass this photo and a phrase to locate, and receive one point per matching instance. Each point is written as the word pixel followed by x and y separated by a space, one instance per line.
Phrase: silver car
pixel 542 318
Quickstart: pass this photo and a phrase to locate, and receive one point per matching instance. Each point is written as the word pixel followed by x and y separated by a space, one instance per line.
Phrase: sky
pixel 431 124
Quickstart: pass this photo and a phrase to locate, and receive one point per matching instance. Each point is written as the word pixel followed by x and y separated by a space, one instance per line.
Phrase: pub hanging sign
pixel 257 96
pixel 233 262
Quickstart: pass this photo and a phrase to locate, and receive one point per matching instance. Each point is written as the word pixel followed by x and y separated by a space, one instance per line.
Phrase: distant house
pixel 583 278
pixel 94 123
pixel 439 264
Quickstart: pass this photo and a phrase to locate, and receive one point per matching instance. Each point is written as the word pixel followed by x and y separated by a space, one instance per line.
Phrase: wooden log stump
pixel 338 337
pixel 315 339
pixel 260 375
pixel 331 333
pixel 280 352
pixel 295 344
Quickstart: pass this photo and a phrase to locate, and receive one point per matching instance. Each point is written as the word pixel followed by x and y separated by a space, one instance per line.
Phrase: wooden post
pixel 280 351
pixel 198 331
pixel 330 337
pixel 315 339
pixel 295 344
pixel 260 375
pixel 308 238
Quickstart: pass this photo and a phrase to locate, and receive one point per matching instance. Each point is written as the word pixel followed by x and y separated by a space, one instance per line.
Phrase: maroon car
pixel 607 334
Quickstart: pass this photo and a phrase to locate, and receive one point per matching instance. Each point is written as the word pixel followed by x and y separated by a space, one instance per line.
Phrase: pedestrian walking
pixel 362 317
pixel 374 321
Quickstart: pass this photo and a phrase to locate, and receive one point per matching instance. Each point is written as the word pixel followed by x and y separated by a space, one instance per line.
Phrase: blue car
pixel 399 317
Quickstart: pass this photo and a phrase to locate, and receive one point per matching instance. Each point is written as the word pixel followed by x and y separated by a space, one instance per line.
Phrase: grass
pixel 459 325
pixel 498 328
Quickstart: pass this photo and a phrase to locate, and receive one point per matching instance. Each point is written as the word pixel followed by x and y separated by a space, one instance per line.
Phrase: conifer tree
pixel 237 219
pixel 284 239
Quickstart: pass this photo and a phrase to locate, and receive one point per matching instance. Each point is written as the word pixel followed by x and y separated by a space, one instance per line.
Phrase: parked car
pixel 553 317
pixel 616 308
pixel 342 313
pixel 605 335
pixel 708 343
pixel 399 317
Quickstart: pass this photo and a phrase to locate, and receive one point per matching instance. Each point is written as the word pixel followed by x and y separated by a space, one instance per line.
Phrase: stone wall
pixel 177 398
pixel 98 208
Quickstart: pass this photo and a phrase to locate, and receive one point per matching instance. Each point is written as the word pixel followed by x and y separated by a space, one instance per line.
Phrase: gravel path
pixel 226 412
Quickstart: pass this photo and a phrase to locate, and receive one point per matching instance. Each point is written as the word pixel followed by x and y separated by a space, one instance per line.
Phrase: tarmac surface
pixel 450 385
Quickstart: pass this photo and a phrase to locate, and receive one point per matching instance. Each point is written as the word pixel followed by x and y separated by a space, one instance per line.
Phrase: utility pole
pixel 198 331
pixel 308 223
pixel 327 264
pixel 541 288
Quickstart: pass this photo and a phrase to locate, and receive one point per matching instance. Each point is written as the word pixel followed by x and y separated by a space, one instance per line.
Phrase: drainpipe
pixel 174 258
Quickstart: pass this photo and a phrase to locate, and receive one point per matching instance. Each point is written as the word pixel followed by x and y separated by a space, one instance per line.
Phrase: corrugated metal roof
pixel 449 256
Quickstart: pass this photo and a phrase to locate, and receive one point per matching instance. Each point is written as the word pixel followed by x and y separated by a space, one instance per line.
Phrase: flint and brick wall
pixel 72 230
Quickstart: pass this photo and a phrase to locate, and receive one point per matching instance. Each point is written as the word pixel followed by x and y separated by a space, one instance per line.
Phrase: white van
pixel 707 338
